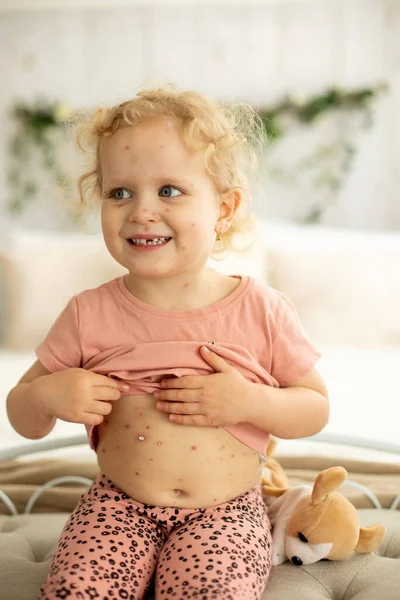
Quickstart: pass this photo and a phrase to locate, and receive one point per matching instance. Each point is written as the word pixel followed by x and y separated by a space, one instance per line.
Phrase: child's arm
pixel 74 395
pixel 24 408
pixel 299 410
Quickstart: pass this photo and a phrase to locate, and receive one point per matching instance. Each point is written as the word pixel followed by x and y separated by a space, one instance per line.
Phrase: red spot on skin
pixel 140 414
pixel 221 447
pixel 193 224
pixel 127 147
pixel 232 456
pixel 159 443
pixel 127 426
pixel 105 421
pixel 194 447
pixel 137 473
pixel 145 210
pixel 167 210
pixel 147 427
pixel 186 285
pixel 151 458
pixel 118 447
pixel 103 449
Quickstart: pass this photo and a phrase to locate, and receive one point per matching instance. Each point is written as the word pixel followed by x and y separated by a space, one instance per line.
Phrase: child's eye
pixel 121 194
pixel 168 191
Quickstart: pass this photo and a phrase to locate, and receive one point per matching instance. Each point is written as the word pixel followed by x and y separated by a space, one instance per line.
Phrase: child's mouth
pixel 149 242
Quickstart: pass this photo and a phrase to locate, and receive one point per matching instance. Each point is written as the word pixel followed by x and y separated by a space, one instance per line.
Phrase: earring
pixel 218 238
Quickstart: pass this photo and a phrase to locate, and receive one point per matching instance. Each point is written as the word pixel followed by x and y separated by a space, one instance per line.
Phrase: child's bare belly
pixel 164 464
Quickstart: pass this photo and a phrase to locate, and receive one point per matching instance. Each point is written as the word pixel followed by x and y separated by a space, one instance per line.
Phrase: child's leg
pixel 108 548
pixel 222 552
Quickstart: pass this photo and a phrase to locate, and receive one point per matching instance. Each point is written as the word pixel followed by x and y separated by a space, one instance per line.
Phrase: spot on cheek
pixel 186 285
pixel 127 147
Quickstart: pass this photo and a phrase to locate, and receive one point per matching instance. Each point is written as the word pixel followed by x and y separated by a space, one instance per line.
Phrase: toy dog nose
pixel 296 561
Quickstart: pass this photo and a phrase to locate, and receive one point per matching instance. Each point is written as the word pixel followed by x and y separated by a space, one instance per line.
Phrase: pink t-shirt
pixel 109 331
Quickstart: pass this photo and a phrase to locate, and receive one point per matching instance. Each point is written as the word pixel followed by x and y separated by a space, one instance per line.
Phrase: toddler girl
pixel 178 372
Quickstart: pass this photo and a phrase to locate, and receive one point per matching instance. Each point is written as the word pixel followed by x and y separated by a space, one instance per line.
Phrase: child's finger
pixel 214 360
pixel 111 382
pixel 106 393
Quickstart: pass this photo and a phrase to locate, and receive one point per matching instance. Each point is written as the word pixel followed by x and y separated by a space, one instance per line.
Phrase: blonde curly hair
pixel 231 137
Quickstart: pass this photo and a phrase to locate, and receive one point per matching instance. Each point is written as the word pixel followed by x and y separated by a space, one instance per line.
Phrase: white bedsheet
pixel 362 382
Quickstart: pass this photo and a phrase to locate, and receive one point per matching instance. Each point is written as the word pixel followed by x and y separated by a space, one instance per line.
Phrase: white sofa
pixel 345 285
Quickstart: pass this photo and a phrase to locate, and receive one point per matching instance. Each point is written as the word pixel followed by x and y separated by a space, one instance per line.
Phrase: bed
pixel 333 278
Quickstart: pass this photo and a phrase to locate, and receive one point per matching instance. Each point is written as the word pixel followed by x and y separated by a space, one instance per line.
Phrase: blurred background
pixel 324 75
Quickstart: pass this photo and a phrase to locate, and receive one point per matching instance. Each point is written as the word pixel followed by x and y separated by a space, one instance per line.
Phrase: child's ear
pixel 230 202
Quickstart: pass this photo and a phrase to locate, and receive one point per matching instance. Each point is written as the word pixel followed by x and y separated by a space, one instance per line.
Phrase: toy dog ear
pixel 272 444
pixel 269 489
pixel 327 482
pixel 277 483
pixel 370 538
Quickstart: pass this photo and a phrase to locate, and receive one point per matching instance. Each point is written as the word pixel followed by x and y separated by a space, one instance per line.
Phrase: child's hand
pixel 77 395
pixel 209 400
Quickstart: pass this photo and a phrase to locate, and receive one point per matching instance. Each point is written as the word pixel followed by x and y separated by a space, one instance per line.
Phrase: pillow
pixel 40 272
pixel 344 283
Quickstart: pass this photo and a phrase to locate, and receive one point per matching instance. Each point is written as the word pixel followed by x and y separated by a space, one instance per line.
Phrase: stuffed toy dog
pixel 314 523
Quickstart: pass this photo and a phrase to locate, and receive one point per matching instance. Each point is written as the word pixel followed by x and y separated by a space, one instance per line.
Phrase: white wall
pixel 253 51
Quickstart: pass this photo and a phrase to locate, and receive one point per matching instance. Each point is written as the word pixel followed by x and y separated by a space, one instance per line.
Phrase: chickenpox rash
pixel 186 285
pixel 194 447
pixel 127 147
pixel 221 447
pixel 103 450
pixel 137 473
pixel 147 427
pixel 159 443
pixel 127 426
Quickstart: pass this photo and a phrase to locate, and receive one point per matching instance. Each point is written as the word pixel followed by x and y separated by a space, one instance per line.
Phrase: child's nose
pixel 142 212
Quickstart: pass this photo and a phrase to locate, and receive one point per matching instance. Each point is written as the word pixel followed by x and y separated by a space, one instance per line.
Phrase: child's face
pixel 153 185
